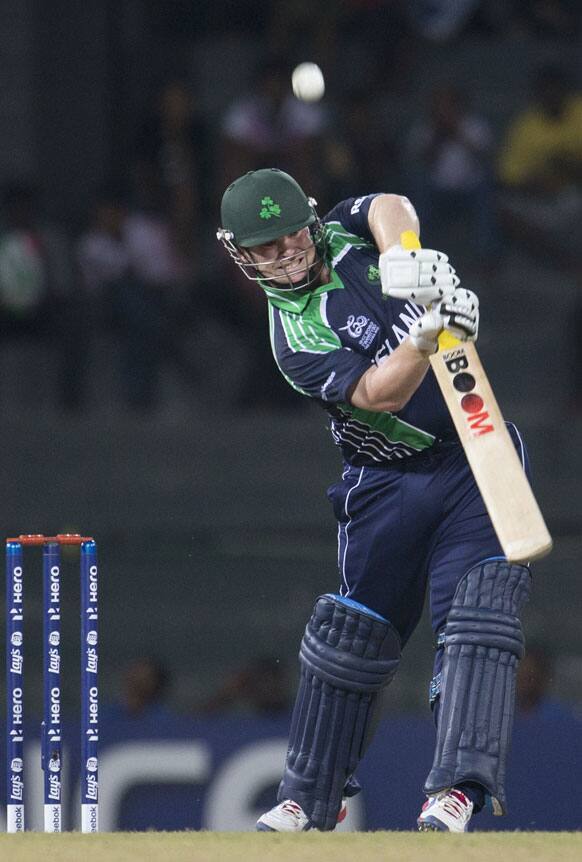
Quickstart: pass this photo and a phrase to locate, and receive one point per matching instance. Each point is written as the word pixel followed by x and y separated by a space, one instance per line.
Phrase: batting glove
pixel 424 333
pixel 422 275
pixel 458 314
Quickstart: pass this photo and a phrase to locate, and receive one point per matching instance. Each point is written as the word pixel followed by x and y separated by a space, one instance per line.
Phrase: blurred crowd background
pixel 138 398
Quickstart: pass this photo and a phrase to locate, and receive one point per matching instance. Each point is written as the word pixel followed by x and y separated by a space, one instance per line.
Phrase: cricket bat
pixel 490 451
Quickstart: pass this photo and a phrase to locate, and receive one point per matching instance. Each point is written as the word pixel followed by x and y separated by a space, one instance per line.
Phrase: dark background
pixel 208 507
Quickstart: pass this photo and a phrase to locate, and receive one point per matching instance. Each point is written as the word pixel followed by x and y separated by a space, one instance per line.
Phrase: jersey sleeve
pixel 315 366
pixel 352 214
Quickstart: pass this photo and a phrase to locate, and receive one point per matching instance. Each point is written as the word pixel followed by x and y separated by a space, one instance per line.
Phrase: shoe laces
pixel 290 807
pixel 455 803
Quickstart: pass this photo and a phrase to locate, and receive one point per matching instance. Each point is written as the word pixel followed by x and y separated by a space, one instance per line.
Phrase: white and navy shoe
pixel 450 811
pixel 288 816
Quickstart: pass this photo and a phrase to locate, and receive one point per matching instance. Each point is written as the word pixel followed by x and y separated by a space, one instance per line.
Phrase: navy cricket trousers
pixel 418 522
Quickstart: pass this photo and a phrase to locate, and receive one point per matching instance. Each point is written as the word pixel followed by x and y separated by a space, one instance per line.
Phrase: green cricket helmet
pixel 261 207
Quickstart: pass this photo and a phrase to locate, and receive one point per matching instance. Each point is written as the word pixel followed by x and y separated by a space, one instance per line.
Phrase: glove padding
pixel 458 314
pixel 422 275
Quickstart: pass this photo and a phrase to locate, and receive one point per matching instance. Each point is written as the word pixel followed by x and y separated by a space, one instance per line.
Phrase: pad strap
pixel 483 643
pixel 347 655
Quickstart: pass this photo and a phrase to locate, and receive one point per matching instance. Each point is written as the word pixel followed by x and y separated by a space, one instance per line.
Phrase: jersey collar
pixel 297 302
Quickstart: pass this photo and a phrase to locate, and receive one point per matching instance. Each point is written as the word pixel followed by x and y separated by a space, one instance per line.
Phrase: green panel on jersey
pixel 339 240
pixel 305 333
pixel 309 331
pixel 391 427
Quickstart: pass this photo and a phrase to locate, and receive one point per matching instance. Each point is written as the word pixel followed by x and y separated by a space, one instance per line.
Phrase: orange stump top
pixel 59 539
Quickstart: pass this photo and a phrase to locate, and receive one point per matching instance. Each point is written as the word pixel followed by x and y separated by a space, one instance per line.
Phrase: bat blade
pixel 491 454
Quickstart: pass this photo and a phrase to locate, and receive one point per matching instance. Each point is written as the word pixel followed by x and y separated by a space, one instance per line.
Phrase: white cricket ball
pixel 308 82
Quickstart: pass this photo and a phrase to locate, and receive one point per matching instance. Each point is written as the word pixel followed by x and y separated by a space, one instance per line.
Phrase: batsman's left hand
pixel 422 275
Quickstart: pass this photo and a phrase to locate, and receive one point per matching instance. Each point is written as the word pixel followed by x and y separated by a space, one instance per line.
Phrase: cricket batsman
pixel 354 318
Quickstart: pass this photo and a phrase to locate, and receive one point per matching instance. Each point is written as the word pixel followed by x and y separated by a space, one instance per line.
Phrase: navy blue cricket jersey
pixel 324 339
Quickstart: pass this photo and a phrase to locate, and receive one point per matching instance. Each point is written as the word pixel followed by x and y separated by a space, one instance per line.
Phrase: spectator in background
pixel 101 251
pixel 138 281
pixel 39 294
pixel 540 170
pixel 353 158
pixel 103 260
pixel 145 682
pixel 260 688
pixel 448 155
pixel 268 125
pixel 172 151
pixel 153 306
pixel 540 203
pixel 23 275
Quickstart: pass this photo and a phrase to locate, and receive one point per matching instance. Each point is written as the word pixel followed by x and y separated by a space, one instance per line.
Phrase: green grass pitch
pixel 309 847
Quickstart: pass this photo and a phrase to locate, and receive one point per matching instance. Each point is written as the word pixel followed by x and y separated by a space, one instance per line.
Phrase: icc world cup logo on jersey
pixel 355 325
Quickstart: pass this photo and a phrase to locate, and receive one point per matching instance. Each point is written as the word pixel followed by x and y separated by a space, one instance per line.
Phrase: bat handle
pixel 409 240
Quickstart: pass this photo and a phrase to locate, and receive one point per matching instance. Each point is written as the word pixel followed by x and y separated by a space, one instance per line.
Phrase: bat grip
pixel 409 240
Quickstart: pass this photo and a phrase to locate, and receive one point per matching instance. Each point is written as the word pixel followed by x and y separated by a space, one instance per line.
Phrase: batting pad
pixel 347 655
pixel 483 642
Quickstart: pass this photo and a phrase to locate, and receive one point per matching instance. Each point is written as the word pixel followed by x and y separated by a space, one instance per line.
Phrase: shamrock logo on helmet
pixel 269 208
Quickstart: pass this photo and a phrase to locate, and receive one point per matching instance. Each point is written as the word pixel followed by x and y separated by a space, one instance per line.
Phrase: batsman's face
pixel 285 260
